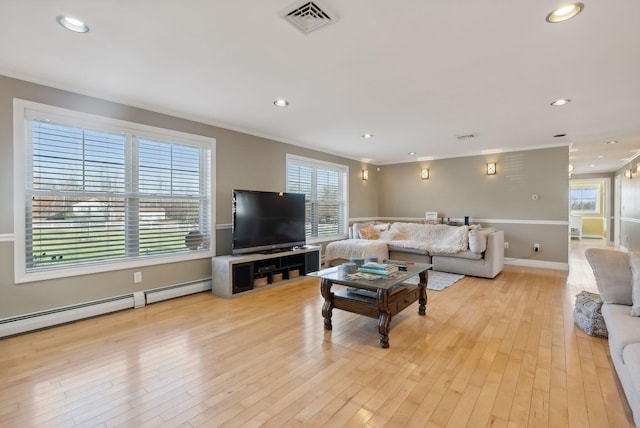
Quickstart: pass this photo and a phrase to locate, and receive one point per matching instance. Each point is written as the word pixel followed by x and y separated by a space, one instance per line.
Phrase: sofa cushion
pixel 631 358
pixel 466 254
pixel 369 232
pixel 612 273
pixel 623 328
pixel 478 240
pixel 407 250
pixel 634 263
pixel 355 229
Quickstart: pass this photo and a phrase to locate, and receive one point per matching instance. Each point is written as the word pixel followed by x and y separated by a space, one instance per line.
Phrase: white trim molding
pixel 461 220
pixel 629 220
pixel 536 264
pixel 7 237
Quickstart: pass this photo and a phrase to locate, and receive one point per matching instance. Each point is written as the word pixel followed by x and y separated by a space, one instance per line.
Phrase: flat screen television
pixel 267 221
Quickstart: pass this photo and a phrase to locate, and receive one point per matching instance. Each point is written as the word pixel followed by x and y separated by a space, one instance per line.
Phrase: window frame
pixel 587 185
pixel 22 149
pixel 315 163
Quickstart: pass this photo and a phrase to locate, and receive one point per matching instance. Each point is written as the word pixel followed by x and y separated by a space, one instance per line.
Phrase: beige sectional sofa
pixel 467 250
pixel 618 279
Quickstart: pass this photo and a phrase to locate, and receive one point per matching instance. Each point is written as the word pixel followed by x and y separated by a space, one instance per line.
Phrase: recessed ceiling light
pixel 564 12
pixel 592 166
pixel 280 102
pixel 612 142
pixel 367 136
pixel 601 157
pixel 72 24
pixel 561 102
pixel 411 153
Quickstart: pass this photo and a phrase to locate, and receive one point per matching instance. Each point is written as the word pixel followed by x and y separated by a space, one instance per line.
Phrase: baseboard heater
pixel 173 291
pixel 39 320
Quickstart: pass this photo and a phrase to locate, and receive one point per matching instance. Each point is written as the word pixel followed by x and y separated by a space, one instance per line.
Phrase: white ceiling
pixel 415 73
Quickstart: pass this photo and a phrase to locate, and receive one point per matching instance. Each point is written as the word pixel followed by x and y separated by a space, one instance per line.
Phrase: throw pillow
pixel 356 229
pixel 634 262
pixel 478 240
pixel 612 273
pixel 369 233
pixel 381 227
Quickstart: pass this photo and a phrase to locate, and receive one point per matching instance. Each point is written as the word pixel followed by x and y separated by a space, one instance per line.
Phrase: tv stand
pixel 236 275
pixel 274 251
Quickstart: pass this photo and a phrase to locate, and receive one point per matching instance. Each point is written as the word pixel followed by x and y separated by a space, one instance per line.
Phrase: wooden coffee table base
pixel 380 303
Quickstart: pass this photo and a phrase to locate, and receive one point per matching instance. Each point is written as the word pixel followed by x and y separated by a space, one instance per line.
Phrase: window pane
pixel 324 188
pixel 72 159
pixel 585 198
pixel 92 196
pixel 165 223
pixel 68 230
pixel 169 169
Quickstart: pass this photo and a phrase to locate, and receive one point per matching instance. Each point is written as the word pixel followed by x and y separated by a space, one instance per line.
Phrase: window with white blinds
pixel 325 187
pixel 104 194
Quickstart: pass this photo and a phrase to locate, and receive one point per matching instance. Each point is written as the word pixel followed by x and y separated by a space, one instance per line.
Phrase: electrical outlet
pixel 506 245
pixel 137 277
pixel 536 247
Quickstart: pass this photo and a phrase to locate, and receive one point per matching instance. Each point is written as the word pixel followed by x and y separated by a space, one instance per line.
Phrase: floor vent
pixel 307 16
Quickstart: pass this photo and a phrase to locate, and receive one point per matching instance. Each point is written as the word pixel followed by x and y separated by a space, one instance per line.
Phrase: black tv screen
pixel 267 221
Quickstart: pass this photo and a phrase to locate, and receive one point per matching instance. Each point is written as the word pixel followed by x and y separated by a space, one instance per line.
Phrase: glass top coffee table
pixel 377 297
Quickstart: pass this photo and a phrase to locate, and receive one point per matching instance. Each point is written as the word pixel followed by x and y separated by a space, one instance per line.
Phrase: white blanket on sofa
pixel 435 238
pixel 360 248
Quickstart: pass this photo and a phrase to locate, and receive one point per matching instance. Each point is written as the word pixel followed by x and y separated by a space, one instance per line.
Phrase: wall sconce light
pixel 571 168
pixel 491 168
pixel 365 174
pixel 424 173
pixel 638 168
pixel 629 173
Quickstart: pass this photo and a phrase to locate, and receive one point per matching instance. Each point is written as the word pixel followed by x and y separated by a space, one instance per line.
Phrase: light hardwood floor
pixel 499 353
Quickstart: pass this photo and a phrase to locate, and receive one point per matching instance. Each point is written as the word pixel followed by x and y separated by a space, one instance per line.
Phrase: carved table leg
pixel 384 318
pixel 422 308
pixel 327 307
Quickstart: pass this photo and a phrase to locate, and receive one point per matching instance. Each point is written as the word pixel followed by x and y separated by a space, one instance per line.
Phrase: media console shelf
pixel 234 275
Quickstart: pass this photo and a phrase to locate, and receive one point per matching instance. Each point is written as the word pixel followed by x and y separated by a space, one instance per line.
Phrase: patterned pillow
pixel 369 232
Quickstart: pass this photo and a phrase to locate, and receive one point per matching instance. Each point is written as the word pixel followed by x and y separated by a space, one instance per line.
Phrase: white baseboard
pixel 536 263
pixel 39 320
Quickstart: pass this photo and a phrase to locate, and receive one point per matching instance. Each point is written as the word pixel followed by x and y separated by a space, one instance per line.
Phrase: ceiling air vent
pixel 307 16
pixel 466 137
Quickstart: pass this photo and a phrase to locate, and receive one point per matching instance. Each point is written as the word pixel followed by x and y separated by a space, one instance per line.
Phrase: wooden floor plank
pixel 502 352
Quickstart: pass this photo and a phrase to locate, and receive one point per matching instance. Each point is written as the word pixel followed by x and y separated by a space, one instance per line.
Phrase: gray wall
pixel 457 187
pixel 243 161
pixel 460 187
pixel 248 162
